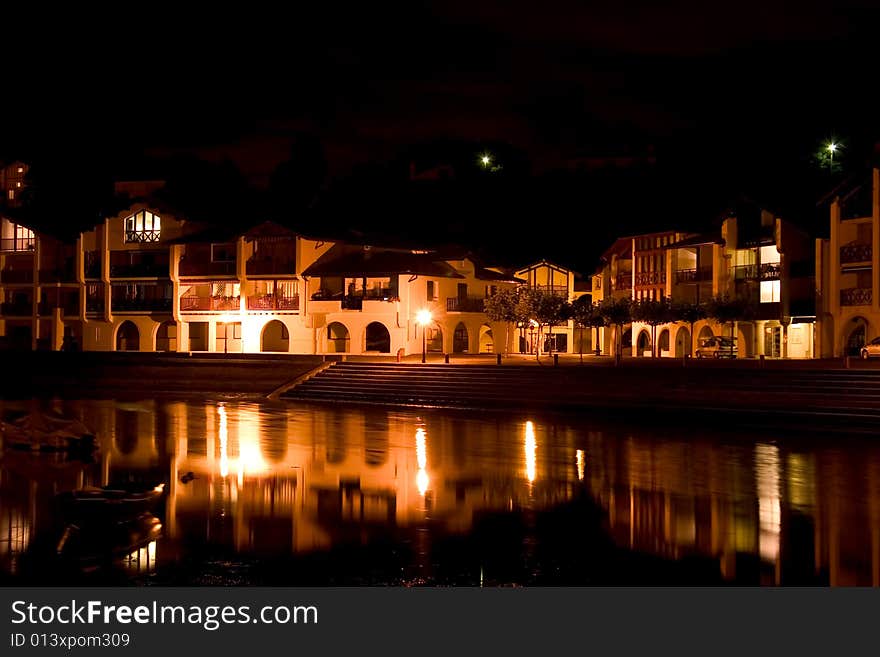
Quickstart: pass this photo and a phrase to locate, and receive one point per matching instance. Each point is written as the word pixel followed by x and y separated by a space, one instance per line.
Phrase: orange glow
pixel 531 452
pixel 580 464
pixel 422 479
pixel 424 317
pixel 224 441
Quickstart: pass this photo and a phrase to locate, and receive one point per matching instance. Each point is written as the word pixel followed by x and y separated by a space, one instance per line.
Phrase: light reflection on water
pixel 255 480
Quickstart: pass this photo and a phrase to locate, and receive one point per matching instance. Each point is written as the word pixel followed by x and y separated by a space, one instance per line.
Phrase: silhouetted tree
pixel 617 313
pixel 586 315
pixel 502 307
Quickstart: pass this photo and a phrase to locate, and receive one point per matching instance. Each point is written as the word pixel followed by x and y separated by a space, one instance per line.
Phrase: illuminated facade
pixel 12 183
pixel 847 263
pixel 148 279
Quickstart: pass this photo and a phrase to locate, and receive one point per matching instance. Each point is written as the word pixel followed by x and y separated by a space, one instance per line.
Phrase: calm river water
pixel 299 494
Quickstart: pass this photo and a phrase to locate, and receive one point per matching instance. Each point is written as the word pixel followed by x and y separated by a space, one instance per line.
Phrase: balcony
pixel 57 275
pixel 466 304
pixel 142 236
pixel 141 305
pixel 691 275
pixel 16 309
pixel 623 281
pixel 650 278
pixel 194 267
pixel 92 264
pixel 206 304
pixel 17 244
pixel 770 271
pixel 557 290
pixel 140 270
pixel 17 276
pixel 272 302
pixel 855 253
pixel 856 296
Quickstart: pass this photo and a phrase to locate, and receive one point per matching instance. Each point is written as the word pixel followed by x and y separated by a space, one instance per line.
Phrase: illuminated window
pixel 11 194
pixel 18 184
pixel 769 291
pixel 769 254
pixel 142 227
pixel 21 169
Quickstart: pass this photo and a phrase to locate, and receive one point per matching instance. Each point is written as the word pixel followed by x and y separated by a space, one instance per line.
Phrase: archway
pixel 627 339
pixel 487 340
pixel 460 339
pixel 682 342
pixel 643 343
pixel 127 337
pixel 856 332
pixel 378 338
pixel 275 337
pixel 706 333
pixel 166 337
pixel 663 342
pixel 337 338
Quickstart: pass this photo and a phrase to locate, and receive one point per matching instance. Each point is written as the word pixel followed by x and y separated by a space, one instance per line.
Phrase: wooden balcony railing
pixel 465 304
pixel 17 244
pixel 856 296
pixel 194 303
pixel 770 271
pixel 691 275
pixel 650 278
pixel 272 302
pixel 142 236
pixel 558 290
pixel 856 253
pixel 17 276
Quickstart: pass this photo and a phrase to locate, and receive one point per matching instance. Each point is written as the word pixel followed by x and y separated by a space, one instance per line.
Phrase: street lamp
pixel 423 317
pixel 832 148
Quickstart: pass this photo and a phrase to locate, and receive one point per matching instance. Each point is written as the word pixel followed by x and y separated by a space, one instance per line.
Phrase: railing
pixel 209 303
pixel 558 290
pixel 770 271
pixel 68 308
pixel 17 276
pixel 206 268
pixel 56 275
pixel 272 302
pixel 270 266
pixel 142 236
pixel 856 296
pixel 465 304
pixel 94 305
pixel 124 305
pixel 691 275
pixel 352 303
pixel 16 309
pixel 623 281
pixel 856 253
pixel 745 272
pixel 17 244
pixel 650 278
pixel 141 270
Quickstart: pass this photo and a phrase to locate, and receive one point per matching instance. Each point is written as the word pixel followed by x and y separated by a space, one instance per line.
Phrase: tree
pixel 728 309
pixel 502 307
pixel 653 313
pixel 617 313
pixel 552 309
pixel 690 313
pixel 586 315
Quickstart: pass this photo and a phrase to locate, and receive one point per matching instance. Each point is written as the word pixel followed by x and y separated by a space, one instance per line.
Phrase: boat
pixel 47 432
pixel 87 506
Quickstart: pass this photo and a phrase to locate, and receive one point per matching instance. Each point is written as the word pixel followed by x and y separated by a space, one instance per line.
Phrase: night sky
pixel 724 99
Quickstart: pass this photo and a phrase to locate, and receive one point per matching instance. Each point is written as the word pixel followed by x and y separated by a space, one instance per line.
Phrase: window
pixel 11 194
pixel 142 227
pixel 769 254
pixel 20 169
pixel 769 291
pixel 18 184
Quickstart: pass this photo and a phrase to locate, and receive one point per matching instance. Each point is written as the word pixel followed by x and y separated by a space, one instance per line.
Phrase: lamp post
pixel 832 147
pixel 423 317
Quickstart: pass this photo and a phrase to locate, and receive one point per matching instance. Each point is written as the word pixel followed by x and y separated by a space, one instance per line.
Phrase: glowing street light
pixel 423 318
pixel 832 148
pixel 485 159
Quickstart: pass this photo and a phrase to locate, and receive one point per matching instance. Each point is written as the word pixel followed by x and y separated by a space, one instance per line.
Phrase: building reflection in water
pixel 279 479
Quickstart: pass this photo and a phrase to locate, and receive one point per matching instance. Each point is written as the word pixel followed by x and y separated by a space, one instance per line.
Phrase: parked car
pixel 871 350
pixel 718 347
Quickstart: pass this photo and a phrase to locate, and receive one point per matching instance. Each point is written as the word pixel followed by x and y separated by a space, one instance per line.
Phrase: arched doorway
pixel 856 333
pixel 166 337
pixel 705 334
pixel 460 339
pixel 127 337
pixel 643 344
pixel 487 340
pixel 378 338
pixel 337 338
pixel 682 342
pixel 627 339
pixel 434 339
pixel 663 342
pixel 275 337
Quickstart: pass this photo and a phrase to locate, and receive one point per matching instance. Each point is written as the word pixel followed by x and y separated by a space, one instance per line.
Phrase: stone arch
pixel 706 333
pixel 663 341
pixel 683 342
pixel 275 337
pixel 486 339
pixel 338 338
pixel 128 338
pixel 643 342
pixel 166 336
pixel 854 335
pixel 460 340
pixel 377 338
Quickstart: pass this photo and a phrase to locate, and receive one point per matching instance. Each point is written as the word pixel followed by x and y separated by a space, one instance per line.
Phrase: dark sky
pixel 739 91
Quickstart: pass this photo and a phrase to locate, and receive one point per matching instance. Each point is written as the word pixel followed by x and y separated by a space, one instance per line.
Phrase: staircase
pixel 853 394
